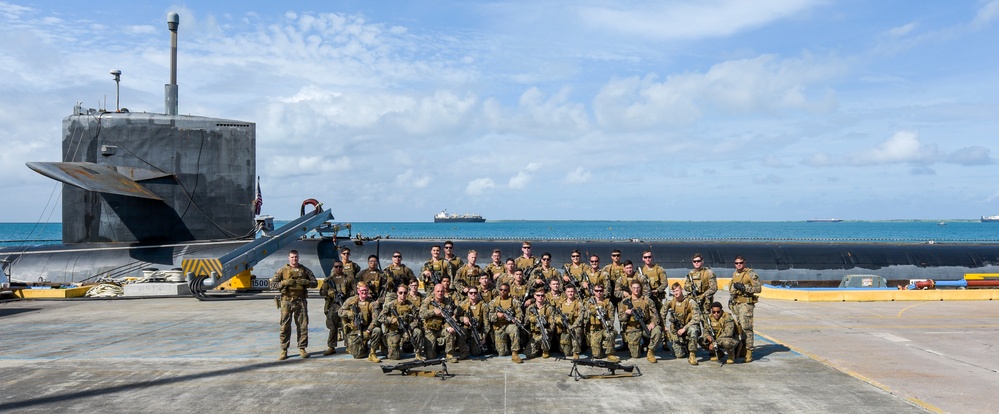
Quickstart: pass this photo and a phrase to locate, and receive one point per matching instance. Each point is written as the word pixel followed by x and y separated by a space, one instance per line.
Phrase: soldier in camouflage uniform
pixel 555 294
pixel 486 290
pixel 335 290
pixel 656 275
pixel 632 329
pixel 616 268
pixel 398 273
pixel 434 269
pixel 506 334
pixel 601 325
pixel 468 275
pixel 350 268
pixel 597 277
pixel 394 333
pixel 526 261
pixel 622 289
pixel 546 271
pixel 704 280
pixel 744 289
pixel 474 314
pixel 452 258
pixel 435 331
pixel 507 276
pixel 495 268
pixel 375 279
pixel 571 339
pixel 360 316
pixel 573 272
pixel 724 328
pixel 682 320
pixel 415 296
pixel 519 288
pixel 293 280
pixel 538 318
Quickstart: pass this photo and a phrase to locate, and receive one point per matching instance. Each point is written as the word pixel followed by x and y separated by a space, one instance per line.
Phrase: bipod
pixel 612 367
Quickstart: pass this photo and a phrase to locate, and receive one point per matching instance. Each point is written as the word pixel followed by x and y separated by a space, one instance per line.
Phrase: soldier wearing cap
pixel 703 280
pixel 744 289
pixel 293 280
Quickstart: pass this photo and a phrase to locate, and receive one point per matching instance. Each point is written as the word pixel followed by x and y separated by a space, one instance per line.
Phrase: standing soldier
pixel 375 279
pixel 434 269
pixel 505 330
pixel 623 287
pixel 395 314
pixel 600 312
pixel 546 271
pixel 507 276
pixel 573 274
pixel 452 258
pixel 683 321
pixel 633 312
pixel 656 275
pixel 468 275
pixel 519 288
pixel 336 289
pixel 415 297
pixel 615 269
pixel 539 318
pixel 495 268
pixel 571 338
pixel 474 314
pixel 350 268
pixel 526 261
pixel 703 280
pixel 555 294
pixel 397 273
pixel 360 315
pixel 486 290
pixel 293 280
pixel 724 328
pixel 597 277
pixel 436 331
pixel 744 290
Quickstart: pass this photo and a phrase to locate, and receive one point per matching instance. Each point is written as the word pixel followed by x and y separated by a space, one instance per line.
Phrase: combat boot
pixel 714 355
pixel 651 356
pixel 420 357
pixel 329 351
pixel 692 359
pixel 373 358
pixel 545 355
pixel 613 358
pixel 303 353
pixel 575 355
pixel 516 359
pixel 452 359
pixel 284 355
pixel 731 358
pixel 749 355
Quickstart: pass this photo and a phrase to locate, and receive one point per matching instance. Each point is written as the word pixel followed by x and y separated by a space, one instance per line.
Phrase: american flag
pixel 259 201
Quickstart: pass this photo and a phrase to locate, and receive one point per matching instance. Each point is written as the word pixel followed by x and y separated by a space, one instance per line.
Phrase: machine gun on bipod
pixel 539 320
pixel 639 316
pixel 406 367
pixel 612 368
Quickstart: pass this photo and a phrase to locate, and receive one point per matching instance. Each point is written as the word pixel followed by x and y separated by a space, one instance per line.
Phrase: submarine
pixel 148 190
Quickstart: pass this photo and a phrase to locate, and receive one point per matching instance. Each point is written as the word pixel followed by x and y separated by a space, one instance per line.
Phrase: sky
pixel 675 110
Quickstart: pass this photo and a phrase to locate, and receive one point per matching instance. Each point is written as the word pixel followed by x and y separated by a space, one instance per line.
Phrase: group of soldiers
pixel 526 303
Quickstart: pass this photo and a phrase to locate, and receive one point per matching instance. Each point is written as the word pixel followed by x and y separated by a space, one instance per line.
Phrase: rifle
pixel 404 367
pixel 671 319
pixel 435 276
pixel 589 284
pixel 512 318
pixel 404 327
pixel 602 314
pixel 612 368
pixel 475 330
pixel 540 321
pixel 565 323
pixel 448 317
pixel 639 317
pixel 705 326
pixel 358 319
pixel 572 280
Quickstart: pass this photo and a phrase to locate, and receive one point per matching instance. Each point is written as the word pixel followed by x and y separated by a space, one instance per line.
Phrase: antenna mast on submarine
pixel 170 102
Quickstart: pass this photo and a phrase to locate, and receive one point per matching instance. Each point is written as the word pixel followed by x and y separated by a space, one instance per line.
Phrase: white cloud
pixel 479 186
pixel 284 166
pixel 412 179
pixel 523 177
pixel 901 30
pixel 986 14
pixel 903 146
pixel 578 176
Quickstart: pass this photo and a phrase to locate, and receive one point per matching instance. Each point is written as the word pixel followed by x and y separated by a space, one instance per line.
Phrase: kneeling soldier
pixel 635 311
pixel 397 314
pixel 360 314
pixel 724 328
pixel 682 321
pixel 506 334
pixel 600 310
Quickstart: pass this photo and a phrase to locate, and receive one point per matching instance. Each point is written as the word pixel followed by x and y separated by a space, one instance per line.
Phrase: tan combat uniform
pixel 526 263
pixel 438 269
pixel 571 340
pixel 480 312
pixel 466 277
pixel 394 333
pixel 293 283
pixel 742 304
pixel 598 278
pixel 632 331
pixel 361 340
pixel 601 331
pixel 724 329
pixel 684 316
pixel 658 283
pixel 335 287
pixel 706 283
pixel 622 289
pixel 535 344
pixel 435 330
pixel 505 332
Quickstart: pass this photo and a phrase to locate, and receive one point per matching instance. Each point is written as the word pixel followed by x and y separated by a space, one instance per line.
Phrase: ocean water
pixel 895 231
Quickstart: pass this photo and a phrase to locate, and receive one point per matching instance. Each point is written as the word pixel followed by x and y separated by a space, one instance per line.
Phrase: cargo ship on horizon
pixel 444 217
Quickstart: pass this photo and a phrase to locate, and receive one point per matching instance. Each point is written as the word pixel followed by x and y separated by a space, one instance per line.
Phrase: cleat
pixel 613 358
pixel 284 355
pixel 374 358
pixel 651 357
pixel 303 353
pixel 749 355
pixel 692 359
pixel 329 351
pixel 516 359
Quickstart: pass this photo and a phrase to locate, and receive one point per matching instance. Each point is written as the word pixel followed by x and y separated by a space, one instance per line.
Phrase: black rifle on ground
pixel 448 317
pixel 639 317
pixel 539 319
pixel 706 327
pixel 404 327
pixel 508 313
pixel 405 367
pixel 612 368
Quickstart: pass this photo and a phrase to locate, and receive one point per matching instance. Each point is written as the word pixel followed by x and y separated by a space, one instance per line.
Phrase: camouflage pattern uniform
pixel 743 303
pixel 487 293
pixel 520 292
pixel 506 334
pixel 526 263
pixel 466 277
pixel 359 340
pixel 456 263
pixel 435 330
pixel 574 312
pixel 724 329
pixel 394 334
pixel 632 330
pixel 535 345
pixel 601 338
pixel 293 283
pixel 335 286
pixel 439 267
pixel 495 271
pixel 546 274
pixel 376 283
pixel 707 285
pixel 394 275
pixel 597 277
pixel 685 316
pixel 480 311
pixel 351 269
pixel 622 289
pixel 658 283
